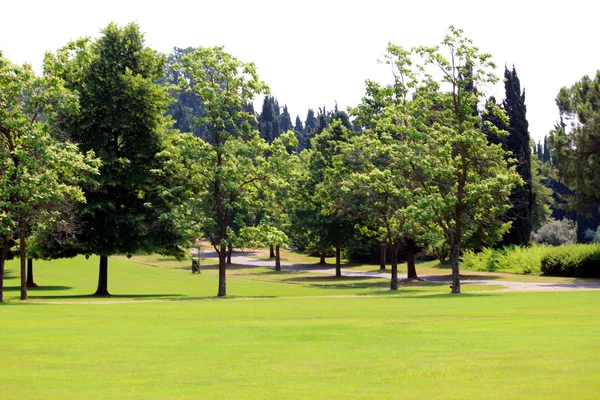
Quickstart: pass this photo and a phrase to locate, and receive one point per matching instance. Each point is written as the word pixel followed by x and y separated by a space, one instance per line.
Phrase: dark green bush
pixel 577 260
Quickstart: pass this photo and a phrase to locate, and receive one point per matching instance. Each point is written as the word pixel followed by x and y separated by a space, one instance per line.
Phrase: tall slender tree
pixel 517 142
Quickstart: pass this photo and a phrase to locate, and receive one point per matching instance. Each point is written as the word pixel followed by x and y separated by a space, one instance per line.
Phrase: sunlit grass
pixel 497 346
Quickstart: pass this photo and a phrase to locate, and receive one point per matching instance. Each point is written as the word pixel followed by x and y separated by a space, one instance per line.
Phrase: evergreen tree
pixel 300 134
pixel 310 126
pixel 517 142
pixel 285 121
pixel 545 151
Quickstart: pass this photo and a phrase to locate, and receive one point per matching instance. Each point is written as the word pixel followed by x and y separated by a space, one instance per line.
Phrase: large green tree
pixel 121 118
pixel 575 144
pixel 37 171
pixel 234 161
pixel 473 180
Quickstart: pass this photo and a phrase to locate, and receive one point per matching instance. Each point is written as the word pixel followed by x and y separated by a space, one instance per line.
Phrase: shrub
pixel 522 260
pixel 579 260
pixel 556 233
pixel 592 237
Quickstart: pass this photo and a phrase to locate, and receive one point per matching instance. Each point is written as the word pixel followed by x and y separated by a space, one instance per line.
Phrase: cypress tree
pixel 517 142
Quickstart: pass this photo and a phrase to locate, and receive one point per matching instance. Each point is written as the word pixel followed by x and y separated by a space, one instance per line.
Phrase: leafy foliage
pixel 556 233
pixel 37 170
pixel 578 260
pixel 576 145
pixel 515 259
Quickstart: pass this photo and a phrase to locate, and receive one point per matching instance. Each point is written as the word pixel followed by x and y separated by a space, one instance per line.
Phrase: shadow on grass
pixel 9 275
pixel 36 289
pixel 111 297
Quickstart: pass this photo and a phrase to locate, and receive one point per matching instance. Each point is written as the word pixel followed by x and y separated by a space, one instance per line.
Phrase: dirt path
pixel 509 286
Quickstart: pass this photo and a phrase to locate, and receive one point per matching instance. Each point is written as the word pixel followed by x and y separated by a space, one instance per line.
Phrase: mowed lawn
pixel 289 340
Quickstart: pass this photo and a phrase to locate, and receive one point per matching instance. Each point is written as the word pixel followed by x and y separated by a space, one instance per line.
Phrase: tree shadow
pixel 9 275
pixel 111 297
pixel 38 288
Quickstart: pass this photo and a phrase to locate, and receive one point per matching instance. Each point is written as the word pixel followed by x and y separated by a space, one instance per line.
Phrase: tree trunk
pixel 338 262
pixel 411 248
pixel 394 278
pixel 222 271
pixel 30 281
pixel 23 256
pixel 382 256
pixel 229 251
pixel 322 260
pixel 454 254
pixel 103 278
pixel 277 259
pixel 271 252
pixel 3 253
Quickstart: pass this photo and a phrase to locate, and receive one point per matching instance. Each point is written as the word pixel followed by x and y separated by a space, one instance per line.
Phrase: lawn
pixel 289 339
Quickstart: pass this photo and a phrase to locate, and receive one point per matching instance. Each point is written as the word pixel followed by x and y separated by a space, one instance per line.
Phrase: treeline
pixel 117 149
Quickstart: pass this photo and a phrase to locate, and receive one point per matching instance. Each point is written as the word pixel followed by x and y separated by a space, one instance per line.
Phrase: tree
pixel 121 117
pixel 575 147
pixel 285 120
pixel 473 180
pixel 233 162
pixel 186 105
pixel 36 170
pixel 386 186
pixel 300 134
pixel 517 142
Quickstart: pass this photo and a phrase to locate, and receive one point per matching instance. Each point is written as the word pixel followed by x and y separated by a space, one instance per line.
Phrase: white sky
pixel 314 53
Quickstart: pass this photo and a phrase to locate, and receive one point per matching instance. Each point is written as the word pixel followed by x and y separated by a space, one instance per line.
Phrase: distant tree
pixel 310 126
pixel 300 134
pixel 121 117
pixel 285 121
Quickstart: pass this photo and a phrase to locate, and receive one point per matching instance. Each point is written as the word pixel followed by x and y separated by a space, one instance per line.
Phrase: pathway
pixel 241 259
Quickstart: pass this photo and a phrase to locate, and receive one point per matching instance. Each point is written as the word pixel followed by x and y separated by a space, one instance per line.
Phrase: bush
pixel 556 233
pixel 592 237
pixel 579 261
pixel 522 260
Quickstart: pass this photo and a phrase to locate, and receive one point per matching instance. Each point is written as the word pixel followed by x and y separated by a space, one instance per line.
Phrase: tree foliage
pixel 37 170
pixel 121 118
pixel 575 144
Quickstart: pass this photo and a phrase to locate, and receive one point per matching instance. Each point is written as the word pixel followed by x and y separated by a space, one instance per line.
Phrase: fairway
pixel 291 340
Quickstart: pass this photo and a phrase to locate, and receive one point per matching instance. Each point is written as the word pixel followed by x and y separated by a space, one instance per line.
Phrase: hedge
pixel 577 260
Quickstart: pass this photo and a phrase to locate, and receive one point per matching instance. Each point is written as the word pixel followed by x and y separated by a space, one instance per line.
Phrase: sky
pixel 319 53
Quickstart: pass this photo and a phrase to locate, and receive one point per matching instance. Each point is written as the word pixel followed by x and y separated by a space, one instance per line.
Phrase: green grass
pixel 525 345
pixel 289 335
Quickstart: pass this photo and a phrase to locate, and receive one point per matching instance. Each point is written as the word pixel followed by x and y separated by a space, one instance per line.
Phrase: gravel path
pixel 509 286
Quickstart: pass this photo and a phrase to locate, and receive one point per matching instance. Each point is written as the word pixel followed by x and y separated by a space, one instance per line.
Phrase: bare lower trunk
pixel 222 271
pixel 382 256
pixel 3 253
pixel 102 289
pixel 338 262
pixel 454 254
pixel 30 282
pixel 23 257
pixel 277 259
pixel 411 248
pixel 271 252
pixel 229 251
pixel 322 259
pixel 394 278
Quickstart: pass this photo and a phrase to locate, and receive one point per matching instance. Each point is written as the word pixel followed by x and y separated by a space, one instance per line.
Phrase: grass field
pixel 289 336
